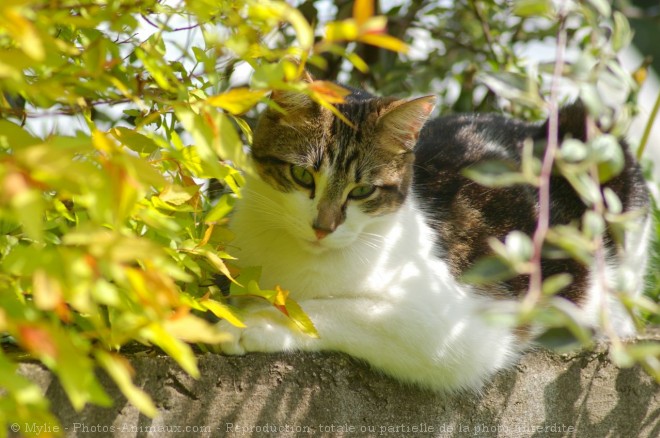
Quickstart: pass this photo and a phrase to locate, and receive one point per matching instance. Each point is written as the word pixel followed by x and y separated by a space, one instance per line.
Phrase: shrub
pixel 109 235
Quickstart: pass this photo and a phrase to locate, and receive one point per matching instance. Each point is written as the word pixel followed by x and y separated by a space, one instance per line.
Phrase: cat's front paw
pixel 260 335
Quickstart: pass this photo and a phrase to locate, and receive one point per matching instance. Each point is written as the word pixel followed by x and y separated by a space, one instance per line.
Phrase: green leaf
pixel 121 372
pixel 14 137
pixel 593 224
pixel 591 97
pixel 488 270
pixel 229 145
pixel 606 150
pixel 519 246
pixel 514 86
pixel 621 357
pixel 64 352
pixel 644 349
pixel 602 6
pixel 587 188
pixel 622 34
pixel 530 8
pixel 161 73
pixel 247 275
pixel 267 76
pixel 555 283
pixel 29 208
pixel 573 151
pixel 221 209
pixel 571 240
pixel 21 389
pixel 203 132
pixel 134 140
pixel 559 339
pixel 495 174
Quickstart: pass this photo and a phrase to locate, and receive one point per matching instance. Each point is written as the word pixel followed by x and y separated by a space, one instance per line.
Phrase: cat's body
pixel 374 259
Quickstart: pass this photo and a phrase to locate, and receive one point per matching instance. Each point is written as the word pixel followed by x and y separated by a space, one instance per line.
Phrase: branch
pixel 486 30
pixel 536 277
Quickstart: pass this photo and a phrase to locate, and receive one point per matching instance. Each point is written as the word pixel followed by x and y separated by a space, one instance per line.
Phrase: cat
pixel 371 227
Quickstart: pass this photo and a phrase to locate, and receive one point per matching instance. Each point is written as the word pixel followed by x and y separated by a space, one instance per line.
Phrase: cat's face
pixel 324 182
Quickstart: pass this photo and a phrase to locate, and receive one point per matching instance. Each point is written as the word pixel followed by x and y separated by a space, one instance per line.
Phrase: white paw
pixel 233 345
pixel 261 334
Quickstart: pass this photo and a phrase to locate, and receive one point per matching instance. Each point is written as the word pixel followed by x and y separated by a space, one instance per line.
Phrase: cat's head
pixel 327 180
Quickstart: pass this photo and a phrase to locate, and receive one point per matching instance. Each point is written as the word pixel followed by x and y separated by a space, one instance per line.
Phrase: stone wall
pixel 579 395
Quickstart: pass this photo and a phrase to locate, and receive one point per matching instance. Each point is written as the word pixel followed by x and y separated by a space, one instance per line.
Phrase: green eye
pixel 362 192
pixel 302 177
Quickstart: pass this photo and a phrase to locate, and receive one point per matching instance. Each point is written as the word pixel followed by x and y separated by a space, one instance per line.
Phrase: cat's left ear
pixel 403 120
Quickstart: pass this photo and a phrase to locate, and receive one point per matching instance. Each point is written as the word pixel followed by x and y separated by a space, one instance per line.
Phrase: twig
pixel 485 29
pixel 647 129
pixel 151 23
pixel 543 225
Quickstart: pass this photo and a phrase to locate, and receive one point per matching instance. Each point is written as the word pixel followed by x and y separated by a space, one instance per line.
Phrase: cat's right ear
pixel 403 122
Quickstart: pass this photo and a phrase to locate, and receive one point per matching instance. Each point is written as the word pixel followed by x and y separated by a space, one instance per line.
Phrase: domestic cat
pixel 371 226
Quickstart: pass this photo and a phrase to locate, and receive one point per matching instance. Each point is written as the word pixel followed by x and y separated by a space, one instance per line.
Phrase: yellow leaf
pixel 177 350
pixel 177 195
pixel 377 25
pixel 47 291
pixel 285 12
pixel 342 30
pixel 291 309
pixel 303 30
pixel 207 235
pixel 357 62
pixel 121 372
pixel 385 41
pixel 222 311
pixel 328 91
pixel 153 287
pixel 23 32
pixel 238 100
pixel 101 142
pixel 363 10
pixel 281 296
pixel 300 318
pixel 215 260
pixel 335 111
pixel 190 328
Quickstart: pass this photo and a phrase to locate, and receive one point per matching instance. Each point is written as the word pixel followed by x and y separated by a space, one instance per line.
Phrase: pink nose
pixel 320 233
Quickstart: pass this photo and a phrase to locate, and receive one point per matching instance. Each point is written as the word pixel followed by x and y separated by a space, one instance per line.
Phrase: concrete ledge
pixel 580 395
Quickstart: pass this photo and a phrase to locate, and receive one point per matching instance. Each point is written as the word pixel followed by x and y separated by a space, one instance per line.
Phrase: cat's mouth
pixel 318 246
pixel 315 246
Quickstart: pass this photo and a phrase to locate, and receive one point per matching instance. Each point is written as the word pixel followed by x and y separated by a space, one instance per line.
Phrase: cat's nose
pixel 321 233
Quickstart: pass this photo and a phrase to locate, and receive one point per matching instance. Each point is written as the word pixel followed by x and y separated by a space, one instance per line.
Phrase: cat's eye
pixel 302 177
pixel 362 192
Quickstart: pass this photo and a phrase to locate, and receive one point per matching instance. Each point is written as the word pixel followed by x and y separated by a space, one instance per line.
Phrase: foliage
pixel 108 236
